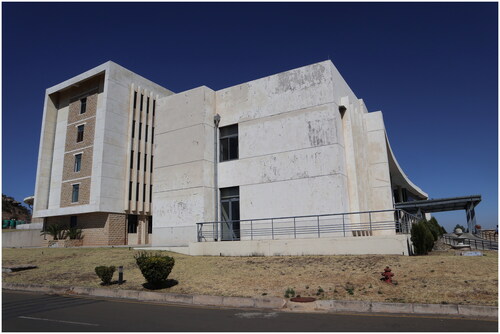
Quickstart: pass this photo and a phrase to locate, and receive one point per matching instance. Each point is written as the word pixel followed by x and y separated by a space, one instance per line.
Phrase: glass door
pixel 230 213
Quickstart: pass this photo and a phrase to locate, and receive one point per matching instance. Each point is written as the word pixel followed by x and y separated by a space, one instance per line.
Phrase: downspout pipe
pixel 216 181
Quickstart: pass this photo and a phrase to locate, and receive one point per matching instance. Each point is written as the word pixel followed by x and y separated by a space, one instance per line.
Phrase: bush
pixel 155 267
pixel 74 233
pixel 434 228
pixel 55 231
pixel 105 273
pixel 422 238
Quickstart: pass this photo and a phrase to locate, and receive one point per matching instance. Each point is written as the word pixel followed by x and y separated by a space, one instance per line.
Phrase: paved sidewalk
pixel 323 306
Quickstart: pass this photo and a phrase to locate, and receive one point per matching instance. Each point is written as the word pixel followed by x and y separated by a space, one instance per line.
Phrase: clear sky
pixel 432 68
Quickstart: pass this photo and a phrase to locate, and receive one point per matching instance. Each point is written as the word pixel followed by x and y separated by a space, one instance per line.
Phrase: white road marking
pixel 253 315
pixel 63 321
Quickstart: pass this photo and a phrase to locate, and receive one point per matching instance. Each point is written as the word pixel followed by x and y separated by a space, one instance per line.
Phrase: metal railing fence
pixel 472 243
pixel 312 226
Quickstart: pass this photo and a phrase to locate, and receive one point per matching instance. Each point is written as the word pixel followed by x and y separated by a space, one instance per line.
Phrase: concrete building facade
pixel 297 143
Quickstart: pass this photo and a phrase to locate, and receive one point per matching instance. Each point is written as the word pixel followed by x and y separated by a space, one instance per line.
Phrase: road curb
pixel 325 306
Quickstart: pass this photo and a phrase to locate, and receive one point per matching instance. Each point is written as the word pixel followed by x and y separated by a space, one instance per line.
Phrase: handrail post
pixel 198 234
pixel 370 218
pixel 294 229
pixel 343 223
pixel 251 230
pixel 319 235
pixel 272 228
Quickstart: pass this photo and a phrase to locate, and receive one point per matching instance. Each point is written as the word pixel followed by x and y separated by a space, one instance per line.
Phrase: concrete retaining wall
pixel 22 238
pixel 394 244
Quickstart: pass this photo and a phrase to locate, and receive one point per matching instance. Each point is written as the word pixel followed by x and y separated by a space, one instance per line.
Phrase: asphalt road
pixel 30 312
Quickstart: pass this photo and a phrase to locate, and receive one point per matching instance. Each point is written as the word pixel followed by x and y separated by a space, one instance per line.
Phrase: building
pixel 130 162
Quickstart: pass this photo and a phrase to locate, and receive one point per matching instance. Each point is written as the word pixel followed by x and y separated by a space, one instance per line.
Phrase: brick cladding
pixel 86 164
pixel 98 228
pixel 74 108
pixel 67 192
pixel 88 135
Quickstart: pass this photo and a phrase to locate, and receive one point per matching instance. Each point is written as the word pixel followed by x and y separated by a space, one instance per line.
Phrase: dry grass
pixel 439 278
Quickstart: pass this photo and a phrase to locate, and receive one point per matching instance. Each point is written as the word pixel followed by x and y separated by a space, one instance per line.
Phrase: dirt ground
pixel 440 278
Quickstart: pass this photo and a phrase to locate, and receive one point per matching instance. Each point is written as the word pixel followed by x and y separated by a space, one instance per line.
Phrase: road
pixel 30 312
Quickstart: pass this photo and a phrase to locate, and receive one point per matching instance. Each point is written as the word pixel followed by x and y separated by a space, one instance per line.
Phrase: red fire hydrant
pixel 387 275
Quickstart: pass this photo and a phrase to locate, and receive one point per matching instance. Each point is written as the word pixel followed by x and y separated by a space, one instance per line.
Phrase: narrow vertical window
pixel 150 224
pixel 154 107
pixel 142 98
pixel 151 167
pixel 151 193
pixel 147 105
pixel 78 162
pixel 137 192
pixel 228 142
pixel 140 130
pixel 146 134
pixel 79 133
pixel 133 129
pixel 152 135
pixel 144 192
pixel 75 193
pixel 135 100
pixel 138 160
pixel 83 105
pixel 130 191
pixel 145 161
pixel 131 159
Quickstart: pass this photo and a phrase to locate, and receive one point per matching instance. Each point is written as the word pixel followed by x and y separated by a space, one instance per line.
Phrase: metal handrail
pixel 472 243
pixel 249 228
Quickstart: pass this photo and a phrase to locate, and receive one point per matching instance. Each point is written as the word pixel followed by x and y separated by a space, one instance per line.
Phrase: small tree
pixel 460 227
pixel 105 273
pixel 422 238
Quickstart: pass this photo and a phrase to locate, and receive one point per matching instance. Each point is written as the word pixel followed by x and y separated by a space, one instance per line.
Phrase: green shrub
pixel 105 273
pixel 74 233
pixel 155 267
pixel 422 238
pixel 56 231
pixel 289 293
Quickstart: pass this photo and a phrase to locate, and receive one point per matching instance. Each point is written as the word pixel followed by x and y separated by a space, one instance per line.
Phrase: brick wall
pixel 88 135
pixel 75 106
pixel 67 192
pixel 98 228
pixel 86 164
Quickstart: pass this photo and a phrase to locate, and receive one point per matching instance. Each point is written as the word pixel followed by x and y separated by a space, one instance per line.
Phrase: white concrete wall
pixel 183 192
pixel 22 238
pixel 396 244
pixel 291 148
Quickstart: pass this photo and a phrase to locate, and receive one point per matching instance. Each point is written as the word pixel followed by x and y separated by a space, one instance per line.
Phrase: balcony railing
pixel 313 226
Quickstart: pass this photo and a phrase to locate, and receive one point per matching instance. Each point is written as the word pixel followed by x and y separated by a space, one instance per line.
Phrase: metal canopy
pixel 441 204
pixel 467 203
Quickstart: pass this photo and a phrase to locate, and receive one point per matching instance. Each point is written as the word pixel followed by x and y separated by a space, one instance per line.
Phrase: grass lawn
pixel 438 278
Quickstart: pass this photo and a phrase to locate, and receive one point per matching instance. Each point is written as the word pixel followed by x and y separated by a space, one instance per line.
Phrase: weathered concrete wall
pixel 183 192
pixel 22 238
pixel 395 244
pixel 291 147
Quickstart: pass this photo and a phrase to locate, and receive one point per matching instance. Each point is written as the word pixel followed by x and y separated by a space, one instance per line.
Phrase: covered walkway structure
pixel 467 203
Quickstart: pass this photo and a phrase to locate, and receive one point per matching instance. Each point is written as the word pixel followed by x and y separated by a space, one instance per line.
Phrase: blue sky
pixel 432 68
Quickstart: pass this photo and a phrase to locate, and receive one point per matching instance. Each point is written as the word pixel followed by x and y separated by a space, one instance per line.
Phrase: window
pixel 72 221
pixel 130 191
pixel 138 160
pixel 145 161
pixel 137 192
pixel 147 105
pixel 83 105
pixel 151 167
pixel 133 129
pixel 154 107
pixel 79 133
pixel 152 135
pixel 75 193
pixel 229 142
pixel 78 162
pixel 135 100
pixel 144 192
pixel 151 193
pixel 140 130
pixel 142 98
pixel 146 135
pixel 132 159
pixel 132 223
